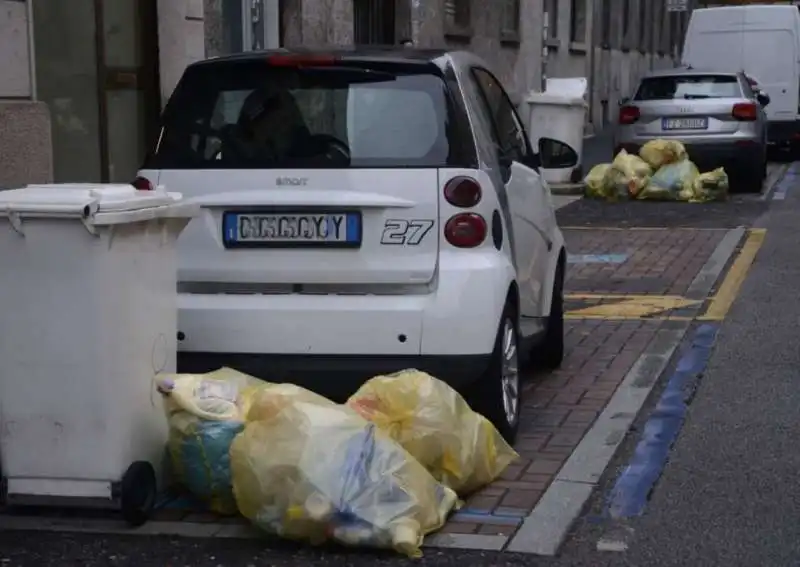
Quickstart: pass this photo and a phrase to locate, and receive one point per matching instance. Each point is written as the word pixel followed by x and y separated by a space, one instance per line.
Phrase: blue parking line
pixel 631 491
pixel 789 178
pixel 596 258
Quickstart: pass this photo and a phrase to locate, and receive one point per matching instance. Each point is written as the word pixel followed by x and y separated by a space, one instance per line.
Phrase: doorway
pixel 97 69
pixel 129 100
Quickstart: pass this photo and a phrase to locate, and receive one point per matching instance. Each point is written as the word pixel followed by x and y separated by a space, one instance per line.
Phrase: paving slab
pixel 657 261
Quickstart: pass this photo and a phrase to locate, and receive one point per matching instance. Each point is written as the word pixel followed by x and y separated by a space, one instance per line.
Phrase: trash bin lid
pixel 82 199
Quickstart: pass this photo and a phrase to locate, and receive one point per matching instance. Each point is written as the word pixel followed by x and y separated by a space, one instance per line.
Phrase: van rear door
pixel 770 56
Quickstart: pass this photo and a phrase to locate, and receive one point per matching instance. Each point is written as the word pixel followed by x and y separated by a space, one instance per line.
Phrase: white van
pixel 763 41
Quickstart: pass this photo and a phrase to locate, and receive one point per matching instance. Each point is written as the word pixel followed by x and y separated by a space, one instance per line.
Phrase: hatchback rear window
pixel 250 115
pixel 689 87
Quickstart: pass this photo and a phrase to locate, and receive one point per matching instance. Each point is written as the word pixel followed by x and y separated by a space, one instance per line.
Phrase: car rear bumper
pixel 783 132
pixel 333 339
pixel 337 376
pixel 734 155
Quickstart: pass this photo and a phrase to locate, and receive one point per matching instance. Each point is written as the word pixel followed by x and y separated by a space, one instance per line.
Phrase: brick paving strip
pixel 573 419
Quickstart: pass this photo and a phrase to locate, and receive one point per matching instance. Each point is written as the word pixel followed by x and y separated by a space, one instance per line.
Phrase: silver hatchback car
pixel 716 115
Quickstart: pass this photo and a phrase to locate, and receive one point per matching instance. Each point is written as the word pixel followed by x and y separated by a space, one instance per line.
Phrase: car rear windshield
pixel 689 87
pixel 252 115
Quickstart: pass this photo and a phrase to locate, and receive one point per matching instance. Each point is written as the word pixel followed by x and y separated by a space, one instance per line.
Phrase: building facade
pixel 82 82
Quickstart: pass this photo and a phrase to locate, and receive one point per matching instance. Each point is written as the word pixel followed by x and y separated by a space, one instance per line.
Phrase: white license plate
pixel 290 229
pixel 684 123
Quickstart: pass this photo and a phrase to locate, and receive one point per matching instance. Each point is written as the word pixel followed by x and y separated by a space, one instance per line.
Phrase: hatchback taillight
pixel 142 184
pixel 628 114
pixel 747 111
pixel 463 192
pixel 465 230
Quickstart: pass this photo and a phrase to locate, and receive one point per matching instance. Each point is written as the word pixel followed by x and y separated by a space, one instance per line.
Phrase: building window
pixel 510 20
pixel 676 25
pixel 374 22
pixel 606 24
pixel 626 19
pixel 458 18
pixel 655 27
pixel 551 7
pixel 643 21
pixel 577 21
pixel 233 26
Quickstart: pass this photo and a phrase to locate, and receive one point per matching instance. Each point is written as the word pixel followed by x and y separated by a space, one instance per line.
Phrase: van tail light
pixel 465 230
pixel 746 111
pixel 143 184
pixel 628 114
pixel 463 192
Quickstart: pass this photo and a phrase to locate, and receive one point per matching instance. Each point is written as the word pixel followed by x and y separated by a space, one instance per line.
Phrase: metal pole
pixel 595 29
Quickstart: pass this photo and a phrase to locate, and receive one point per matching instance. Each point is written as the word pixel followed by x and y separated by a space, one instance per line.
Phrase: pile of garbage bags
pixel 661 172
pixel 382 470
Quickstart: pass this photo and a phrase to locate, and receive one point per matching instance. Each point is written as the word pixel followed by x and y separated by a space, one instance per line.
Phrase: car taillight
pixel 745 111
pixel 142 184
pixel 465 230
pixel 628 114
pixel 463 192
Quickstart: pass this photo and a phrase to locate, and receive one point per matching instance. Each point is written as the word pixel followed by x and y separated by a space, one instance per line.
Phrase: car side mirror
pixel 556 155
pixel 763 99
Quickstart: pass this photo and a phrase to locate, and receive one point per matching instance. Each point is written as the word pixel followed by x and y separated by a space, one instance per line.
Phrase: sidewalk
pixel 598 149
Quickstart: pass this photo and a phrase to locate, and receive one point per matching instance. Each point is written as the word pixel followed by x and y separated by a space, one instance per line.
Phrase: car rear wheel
pixel 498 395
pixel 747 179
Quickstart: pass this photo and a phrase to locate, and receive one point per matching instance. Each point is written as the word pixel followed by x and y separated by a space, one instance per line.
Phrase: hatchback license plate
pixel 684 123
pixel 291 229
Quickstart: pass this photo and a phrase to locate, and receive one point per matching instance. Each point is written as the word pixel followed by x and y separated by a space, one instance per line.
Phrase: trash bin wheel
pixel 138 493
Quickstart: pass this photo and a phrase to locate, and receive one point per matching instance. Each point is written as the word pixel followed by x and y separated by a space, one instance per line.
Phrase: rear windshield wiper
pixel 695 96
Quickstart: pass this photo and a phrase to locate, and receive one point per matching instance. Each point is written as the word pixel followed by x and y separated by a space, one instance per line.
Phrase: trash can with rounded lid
pixel 89 317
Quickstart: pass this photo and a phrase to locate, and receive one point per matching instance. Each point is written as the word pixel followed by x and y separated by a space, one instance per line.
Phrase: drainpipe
pixel 594 35
pixel 31 50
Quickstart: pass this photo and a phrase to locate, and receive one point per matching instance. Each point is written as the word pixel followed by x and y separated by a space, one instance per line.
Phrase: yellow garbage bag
pixel 267 402
pixel 205 412
pixel 658 153
pixel 321 473
pixel 431 421
pixel 670 182
pixel 628 175
pixel 595 181
pixel 710 186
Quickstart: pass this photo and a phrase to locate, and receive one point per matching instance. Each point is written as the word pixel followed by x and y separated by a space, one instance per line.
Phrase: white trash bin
pixel 559 113
pixel 89 316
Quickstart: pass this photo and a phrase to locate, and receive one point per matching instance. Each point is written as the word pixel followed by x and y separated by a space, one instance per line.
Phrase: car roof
pixel 686 71
pixel 383 53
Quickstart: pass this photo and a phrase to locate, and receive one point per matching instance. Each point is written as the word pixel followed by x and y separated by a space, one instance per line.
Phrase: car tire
pixel 747 180
pixel 549 354
pixel 498 394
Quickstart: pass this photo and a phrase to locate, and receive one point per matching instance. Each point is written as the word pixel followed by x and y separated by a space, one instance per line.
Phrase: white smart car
pixel 364 212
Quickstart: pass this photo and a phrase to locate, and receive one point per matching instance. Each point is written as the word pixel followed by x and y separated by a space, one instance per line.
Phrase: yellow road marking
pixel 727 292
pixel 634 307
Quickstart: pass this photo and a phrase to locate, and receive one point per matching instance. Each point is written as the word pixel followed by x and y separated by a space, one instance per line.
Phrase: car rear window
pixel 689 87
pixel 251 115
